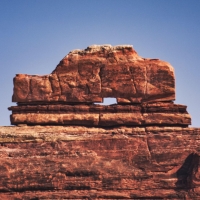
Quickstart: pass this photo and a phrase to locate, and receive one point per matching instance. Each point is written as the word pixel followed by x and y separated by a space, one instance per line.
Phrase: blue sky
pixel 36 34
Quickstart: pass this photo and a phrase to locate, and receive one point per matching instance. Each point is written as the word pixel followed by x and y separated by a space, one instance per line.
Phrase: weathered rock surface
pixel 100 115
pixel 140 148
pixel 56 162
pixel 100 71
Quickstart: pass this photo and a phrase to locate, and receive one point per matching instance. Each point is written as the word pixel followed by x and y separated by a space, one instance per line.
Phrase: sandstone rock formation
pixel 97 72
pixel 66 147
pixel 57 162
pixel 102 116
pixel 87 76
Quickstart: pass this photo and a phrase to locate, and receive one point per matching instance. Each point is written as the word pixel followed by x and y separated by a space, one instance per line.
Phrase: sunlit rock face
pixel 97 72
pixel 65 146
pixel 84 77
pixel 77 162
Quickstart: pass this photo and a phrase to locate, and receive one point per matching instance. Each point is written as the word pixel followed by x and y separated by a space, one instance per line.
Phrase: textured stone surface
pixel 102 120
pixel 56 162
pixel 159 107
pixel 100 115
pixel 140 148
pixel 100 71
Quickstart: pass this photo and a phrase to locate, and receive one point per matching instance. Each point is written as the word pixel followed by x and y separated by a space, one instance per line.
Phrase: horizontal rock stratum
pixel 100 71
pixel 162 113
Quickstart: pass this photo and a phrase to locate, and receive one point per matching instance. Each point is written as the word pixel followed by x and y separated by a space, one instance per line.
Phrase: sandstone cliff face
pixel 96 163
pixel 97 72
pixel 66 147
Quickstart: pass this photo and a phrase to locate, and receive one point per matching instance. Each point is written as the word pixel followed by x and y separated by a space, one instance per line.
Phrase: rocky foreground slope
pixel 56 162
pixel 67 147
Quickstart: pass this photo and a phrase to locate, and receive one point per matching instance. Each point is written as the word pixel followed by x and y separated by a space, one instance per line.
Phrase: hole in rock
pixel 108 101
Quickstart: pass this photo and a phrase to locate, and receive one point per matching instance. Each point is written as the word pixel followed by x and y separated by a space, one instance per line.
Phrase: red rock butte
pixel 67 147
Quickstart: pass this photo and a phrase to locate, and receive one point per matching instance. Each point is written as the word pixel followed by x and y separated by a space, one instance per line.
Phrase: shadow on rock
pixel 187 175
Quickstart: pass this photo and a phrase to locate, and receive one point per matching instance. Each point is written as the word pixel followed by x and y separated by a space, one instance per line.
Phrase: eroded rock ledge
pixel 90 163
pixel 102 116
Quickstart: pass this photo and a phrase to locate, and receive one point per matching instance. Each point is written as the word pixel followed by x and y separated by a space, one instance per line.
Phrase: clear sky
pixel 36 34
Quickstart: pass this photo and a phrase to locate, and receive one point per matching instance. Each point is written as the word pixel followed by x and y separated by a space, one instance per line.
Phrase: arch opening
pixel 108 101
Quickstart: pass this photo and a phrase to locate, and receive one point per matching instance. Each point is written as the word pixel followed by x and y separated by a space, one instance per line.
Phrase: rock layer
pixel 96 163
pixel 101 116
pixel 100 71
